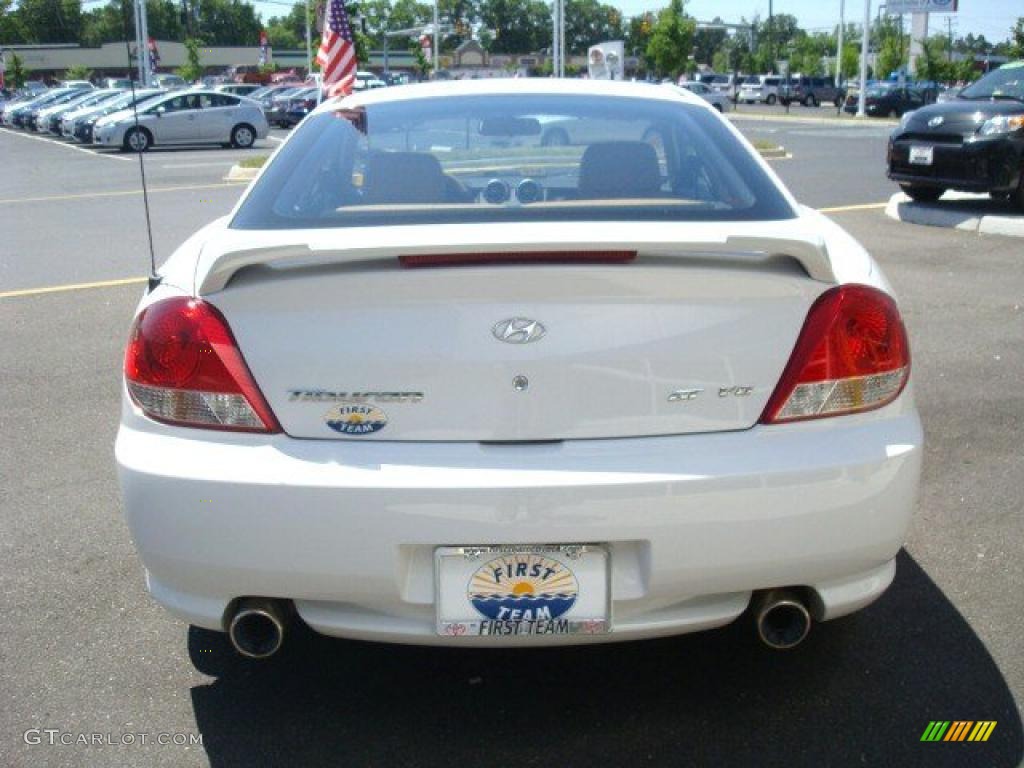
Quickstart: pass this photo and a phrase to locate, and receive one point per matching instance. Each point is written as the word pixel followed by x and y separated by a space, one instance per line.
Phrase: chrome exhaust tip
pixel 782 618
pixel 257 627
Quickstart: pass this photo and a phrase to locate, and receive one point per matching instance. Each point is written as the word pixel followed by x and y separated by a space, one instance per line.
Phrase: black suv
pixel 810 91
pixel 973 143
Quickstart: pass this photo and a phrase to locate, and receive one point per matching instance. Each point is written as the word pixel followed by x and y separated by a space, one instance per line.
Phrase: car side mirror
pixel 159 111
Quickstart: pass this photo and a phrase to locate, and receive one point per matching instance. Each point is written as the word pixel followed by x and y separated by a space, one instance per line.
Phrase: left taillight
pixel 182 366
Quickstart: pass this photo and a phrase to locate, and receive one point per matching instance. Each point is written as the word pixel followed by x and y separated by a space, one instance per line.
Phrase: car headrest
pixel 615 169
pixel 403 177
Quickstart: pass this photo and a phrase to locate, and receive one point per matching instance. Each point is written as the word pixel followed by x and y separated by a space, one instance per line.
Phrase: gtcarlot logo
pixel 958 730
pixel 55 737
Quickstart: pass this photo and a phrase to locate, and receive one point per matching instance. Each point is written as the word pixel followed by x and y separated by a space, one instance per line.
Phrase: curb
pixel 958 210
pixel 852 122
pixel 773 152
pixel 240 174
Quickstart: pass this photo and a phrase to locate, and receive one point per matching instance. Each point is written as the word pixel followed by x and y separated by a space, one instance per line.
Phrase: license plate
pixel 550 589
pixel 922 155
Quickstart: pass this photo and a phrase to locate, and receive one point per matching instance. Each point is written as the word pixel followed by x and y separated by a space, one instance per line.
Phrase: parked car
pixel 760 88
pixel 55 115
pixel 190 117
pixel 25 114
pixel 886 100
pixel 300 104
pixel 728 85
pixel 366 81
pixel 275 104
pixel 413 391
pixel 810 91
pixel 974 143
pixel 79 124
pixel 239 89
pixel 169 82
pixel 717 99
pixel 75 84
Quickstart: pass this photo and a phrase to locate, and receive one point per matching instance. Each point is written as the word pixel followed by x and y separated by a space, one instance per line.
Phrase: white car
pixel 717 99
pixel 760 89
pixel 185 117
pixel 434 382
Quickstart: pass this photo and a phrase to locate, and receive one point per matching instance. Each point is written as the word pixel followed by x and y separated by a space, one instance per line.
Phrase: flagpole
pixel 309 44
pixel 436 23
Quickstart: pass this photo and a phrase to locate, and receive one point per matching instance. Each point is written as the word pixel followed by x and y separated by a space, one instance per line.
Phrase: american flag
pixel 337 54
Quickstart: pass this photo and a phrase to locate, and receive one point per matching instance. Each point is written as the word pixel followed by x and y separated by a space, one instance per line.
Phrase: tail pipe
pixel 782 618
pixel 257 626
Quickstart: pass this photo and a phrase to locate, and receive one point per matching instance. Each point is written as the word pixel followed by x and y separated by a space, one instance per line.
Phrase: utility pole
pixel 864 59
pixel 771 36
pixel 142 43
pixel 839 45
pixel 561 38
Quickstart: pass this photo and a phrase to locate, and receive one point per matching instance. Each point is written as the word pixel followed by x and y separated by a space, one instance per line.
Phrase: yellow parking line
pixel 120 193
pixel 862 207
pixel 72 287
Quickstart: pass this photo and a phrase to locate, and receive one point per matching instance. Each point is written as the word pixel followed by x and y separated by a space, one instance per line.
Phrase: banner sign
pixel 896 7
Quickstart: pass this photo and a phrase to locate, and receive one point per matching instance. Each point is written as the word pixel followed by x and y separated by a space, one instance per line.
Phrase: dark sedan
pixel 973 143
pixel 886 100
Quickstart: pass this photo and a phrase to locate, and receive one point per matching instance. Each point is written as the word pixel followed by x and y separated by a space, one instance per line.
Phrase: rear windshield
pixel 511 158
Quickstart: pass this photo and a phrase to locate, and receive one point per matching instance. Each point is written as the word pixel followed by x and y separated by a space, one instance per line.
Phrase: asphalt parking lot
pixel 84 650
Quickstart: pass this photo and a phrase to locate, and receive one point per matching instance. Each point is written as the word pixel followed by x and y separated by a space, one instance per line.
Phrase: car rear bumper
pixel 973 166
pixel 348 530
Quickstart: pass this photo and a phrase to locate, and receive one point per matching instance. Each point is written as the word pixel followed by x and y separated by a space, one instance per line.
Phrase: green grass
pixel 256 161
pixel 760 144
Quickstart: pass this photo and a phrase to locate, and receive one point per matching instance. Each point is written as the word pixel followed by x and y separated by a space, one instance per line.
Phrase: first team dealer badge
pixel 522 590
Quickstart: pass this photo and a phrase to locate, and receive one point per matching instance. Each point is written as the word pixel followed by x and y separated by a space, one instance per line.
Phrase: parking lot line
pixel 119 193
pixel 56 143
pixel 72 287
pixel 859 207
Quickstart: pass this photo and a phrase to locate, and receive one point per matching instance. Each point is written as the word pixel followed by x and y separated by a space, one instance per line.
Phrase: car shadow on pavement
pixel 859 691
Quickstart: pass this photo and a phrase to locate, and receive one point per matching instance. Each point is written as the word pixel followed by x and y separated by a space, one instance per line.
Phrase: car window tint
pixel 460 160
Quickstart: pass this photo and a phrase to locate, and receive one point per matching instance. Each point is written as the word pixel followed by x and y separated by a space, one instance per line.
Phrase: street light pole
pixel 864 60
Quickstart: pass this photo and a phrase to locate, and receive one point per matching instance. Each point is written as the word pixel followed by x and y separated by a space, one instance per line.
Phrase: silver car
pixel 717 99
pixel 185 117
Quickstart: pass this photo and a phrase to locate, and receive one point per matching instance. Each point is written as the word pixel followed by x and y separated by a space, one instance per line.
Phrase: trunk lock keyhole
pixel 520 383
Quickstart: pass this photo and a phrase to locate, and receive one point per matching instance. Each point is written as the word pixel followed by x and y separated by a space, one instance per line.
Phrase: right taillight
pixel 852 355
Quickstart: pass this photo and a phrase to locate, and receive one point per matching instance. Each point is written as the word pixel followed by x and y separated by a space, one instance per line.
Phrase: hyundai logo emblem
pixel 936 121
pixel 518 330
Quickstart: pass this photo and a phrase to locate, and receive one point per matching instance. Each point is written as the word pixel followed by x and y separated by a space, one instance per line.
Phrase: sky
pixel 992 18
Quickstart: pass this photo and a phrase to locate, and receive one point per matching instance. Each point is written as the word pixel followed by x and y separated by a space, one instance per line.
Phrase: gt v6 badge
pixel 682 395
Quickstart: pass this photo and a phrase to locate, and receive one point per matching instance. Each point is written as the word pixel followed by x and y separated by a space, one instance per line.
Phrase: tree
pixel 1016 42
pixel 422 62
pixel 671 40
pixel 519 26
pixel 193 69
pixel 890 57
pixel 707 42
pixel 49 21
pixel 78 72
pixel 638 35
pixel 588 22
pixel 228 22
pixel 17 74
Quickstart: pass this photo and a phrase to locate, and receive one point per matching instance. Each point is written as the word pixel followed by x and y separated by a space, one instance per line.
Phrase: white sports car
pixel 434 381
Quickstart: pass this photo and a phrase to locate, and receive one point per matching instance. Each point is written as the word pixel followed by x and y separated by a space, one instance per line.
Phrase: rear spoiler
pixel 234 250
